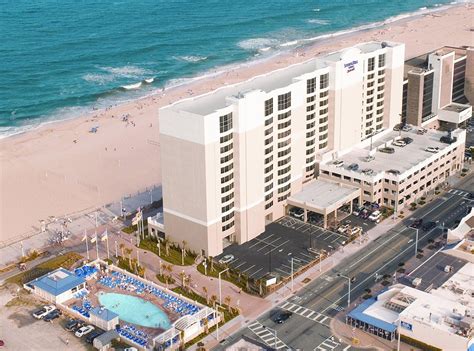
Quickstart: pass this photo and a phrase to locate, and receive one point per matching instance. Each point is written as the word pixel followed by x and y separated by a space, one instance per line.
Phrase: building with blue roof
pixel 57 286
pixel 104 318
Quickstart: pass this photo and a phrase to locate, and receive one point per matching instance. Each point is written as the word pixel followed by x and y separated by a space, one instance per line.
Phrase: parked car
pixel 417 223
pixel 343 228
pixel 364 214
pixel 397 127
pixel 84 331
pixel 387 150
pixel 368 171
pixel 130 349
pixel 426 227
pixel 338 163
pixel 297 212
pixel 399 143
pixel 314 218
pixel 421 131
pixel 354 231
pixel 375 216
pixel 353 167
pixel 448 139
pixel 94 334
pixel 52 315
pixel 357 210
pixel 226 259
pixel 369 158
pixel 39 314
pixel 394 171
pixel 407 140
pixel 433 149
pixel 406 128
pixel 74 324
pixel 282 317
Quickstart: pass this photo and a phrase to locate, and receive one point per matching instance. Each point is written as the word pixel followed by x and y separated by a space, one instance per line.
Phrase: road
pixel 314 306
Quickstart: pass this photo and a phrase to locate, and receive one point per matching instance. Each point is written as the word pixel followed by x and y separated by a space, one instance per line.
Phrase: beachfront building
pixel 231 158
pixel 438 88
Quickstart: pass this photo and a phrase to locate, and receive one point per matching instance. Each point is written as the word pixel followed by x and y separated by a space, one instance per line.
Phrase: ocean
pixel 60 59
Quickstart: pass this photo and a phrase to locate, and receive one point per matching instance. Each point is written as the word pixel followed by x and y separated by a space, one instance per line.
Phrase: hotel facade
pixel 233 158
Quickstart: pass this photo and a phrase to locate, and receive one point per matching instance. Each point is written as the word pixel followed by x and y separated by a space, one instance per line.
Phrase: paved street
pixel 315 305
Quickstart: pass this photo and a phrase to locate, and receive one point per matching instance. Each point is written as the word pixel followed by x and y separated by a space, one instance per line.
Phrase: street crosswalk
pixel 267 336
pixel 306 312
pixel 328 345
pixel 336 307
pixel 458 192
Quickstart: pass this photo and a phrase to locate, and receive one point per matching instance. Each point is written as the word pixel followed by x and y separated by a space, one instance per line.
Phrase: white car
pixel 399 143
pixel 338 163
pixel 226 259
pixel 432 149
pixel 39 314
pixel 375 216
pixel 84 331
pixel 131 349
pixel 354 231
pixel 343 228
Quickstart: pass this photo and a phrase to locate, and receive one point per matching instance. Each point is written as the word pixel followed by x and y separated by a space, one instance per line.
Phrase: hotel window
pixel 379 103
pixel 270 149
pixel 284 162
pixel 268 121
pixel 285 188
pixel 309 108
pixel 268 107
pixel 226 138
pixel 268 187
pixel 323 103
pixel 284 134
pixel 369 85
pixel 323 145
pixel 371 64
pixel 310 99
pixel 284 101
pixel 227 188
pixel 370 76
pixel 380 96
pixel 380 88
pixel 323 94
pixel 381 80
pixel 269 131
pixel 284 125
pixel 228 226
pixel 323 111
pixel 227 217
pixel 381 60
pixel 284 115
pixel 227 197
pixel 268 196
pixel 310 125
pixel 226 148
pixel 269 168
pixel 225 122
pixel 227 178
pixel 324 81
pixel 311 85
pixel 379 112
pixel 310 134
pixel 270 204
pixel 323 129
pixel 269 159
pixel 310 117
pixel 310 151
pixel 322 137
pixel 269 140
pixel 369 100
pixel 381 72
pixel 323 120
pixel 370 92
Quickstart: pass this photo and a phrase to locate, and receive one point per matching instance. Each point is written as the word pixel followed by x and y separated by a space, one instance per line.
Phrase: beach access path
pixel 61 168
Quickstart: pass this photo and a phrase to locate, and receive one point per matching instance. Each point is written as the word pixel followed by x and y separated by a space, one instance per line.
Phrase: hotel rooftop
pixel 222 97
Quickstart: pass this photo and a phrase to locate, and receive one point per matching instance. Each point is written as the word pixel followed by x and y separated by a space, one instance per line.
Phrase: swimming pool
pixel 135 310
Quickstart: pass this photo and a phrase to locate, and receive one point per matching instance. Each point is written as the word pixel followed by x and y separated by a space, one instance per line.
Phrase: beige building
pixel 235 159
pixel 232 157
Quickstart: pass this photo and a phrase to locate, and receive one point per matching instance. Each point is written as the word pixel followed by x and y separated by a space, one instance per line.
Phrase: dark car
pixel 74 324
pixel 417 223
pixel 394 171
pixel 52 315
pixel 387 150
pixel 283 317
pixel 407 140
pixel 353 167
pixel 92 335
pixel 448 139
pixel 428 226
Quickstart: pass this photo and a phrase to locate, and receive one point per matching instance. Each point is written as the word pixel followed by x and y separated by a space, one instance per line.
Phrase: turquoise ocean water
pixel 59 58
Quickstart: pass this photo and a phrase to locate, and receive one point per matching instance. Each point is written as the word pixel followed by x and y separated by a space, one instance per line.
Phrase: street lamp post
pixel 349 290
pixel 220 289
pixel 416 242
pixel 292 282
pixel 275 339
pixel 399 327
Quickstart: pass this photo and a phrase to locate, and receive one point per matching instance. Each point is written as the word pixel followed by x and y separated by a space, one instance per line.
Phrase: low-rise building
pixel 395 176
pixel 56 286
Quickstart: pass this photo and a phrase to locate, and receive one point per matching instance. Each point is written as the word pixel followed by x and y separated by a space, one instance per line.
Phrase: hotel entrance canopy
pixel 324 197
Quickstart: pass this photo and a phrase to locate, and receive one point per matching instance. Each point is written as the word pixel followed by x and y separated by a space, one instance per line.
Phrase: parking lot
pixel 432 273
pixel 273 250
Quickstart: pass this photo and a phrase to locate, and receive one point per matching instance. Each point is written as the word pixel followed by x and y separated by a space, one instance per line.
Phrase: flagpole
pixel 87 245
pixel 96 245
pixel 108 255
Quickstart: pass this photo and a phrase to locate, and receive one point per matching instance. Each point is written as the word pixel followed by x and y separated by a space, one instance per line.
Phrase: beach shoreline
pixel 60 167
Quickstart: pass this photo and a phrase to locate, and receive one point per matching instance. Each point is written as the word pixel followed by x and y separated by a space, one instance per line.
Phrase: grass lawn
pixel 174 256
pixel 66 261
pixel 231 275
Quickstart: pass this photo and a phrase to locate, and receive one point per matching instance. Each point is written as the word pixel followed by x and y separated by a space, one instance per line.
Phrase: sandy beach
pixel 61 168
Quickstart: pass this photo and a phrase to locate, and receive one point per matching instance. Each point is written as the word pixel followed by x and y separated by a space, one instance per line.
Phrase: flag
pixel 94 239
pixel 84 237
pixel 104 236
pixel 137 218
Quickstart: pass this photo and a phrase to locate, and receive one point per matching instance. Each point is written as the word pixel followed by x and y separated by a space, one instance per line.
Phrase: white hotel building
pixel 233 158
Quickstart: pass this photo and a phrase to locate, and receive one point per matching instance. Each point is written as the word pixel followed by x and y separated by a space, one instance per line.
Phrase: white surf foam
pixel 149 80
pixel 132 86
pixel 319 21
pixel 289 43
pixel 257 43
pixel 191 58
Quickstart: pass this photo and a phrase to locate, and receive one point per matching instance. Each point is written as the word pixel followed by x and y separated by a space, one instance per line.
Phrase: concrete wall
pixel 469 83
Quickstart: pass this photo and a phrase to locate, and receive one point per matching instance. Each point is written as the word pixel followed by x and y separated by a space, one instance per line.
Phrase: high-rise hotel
pixel 232 158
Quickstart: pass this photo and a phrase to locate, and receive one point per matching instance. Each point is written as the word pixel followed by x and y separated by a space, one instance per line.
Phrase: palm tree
pixel 167 242
pixel 227 301
pixel 183 276
pixel 213 300
pixel 189 279
pixel 128 252
pixel 184 242
pixel 168 268
pixel 122 246
pixel 212 263
pixel 206 292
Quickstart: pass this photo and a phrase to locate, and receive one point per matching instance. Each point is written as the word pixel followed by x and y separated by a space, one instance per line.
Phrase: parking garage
pixel 325 198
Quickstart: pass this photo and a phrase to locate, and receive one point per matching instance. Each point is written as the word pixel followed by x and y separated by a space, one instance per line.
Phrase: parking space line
pixel 251 275
pixel 240 265
pixel 248 268
pixel 276 247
